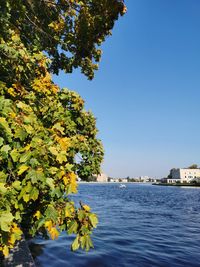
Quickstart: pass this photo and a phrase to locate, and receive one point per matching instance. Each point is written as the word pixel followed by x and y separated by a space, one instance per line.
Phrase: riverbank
pixel 84 182
pixel 180 185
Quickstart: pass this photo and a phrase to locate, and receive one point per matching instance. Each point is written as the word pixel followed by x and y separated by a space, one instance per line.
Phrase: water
pixel 139 226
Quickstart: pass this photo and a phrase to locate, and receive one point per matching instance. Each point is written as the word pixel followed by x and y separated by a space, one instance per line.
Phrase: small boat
pixel 122 186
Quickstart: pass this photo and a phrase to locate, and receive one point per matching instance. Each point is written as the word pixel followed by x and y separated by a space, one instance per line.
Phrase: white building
pixel 114 180
pixel 103 178
pixel 183 175
pixel 144 179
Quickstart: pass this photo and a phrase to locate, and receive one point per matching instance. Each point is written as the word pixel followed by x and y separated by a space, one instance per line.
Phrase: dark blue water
pixel 139 226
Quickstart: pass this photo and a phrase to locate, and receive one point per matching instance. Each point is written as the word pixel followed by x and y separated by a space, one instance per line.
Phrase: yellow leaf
pixel 67 213
pixel 12 92
pixel 29 129
pixel 5 251
pixel 22 169
pixel 12 239
pixel 37 214
pixel 72 209
pixel 65 180
pixel 53 150
pixel 16 229
pixel 44 84
pixel 54 233
pixel 48 225
pixel 26 197
pixel 86 208
pixel 62 173
pixel 81 138
pixel 27 148
pixel 15 38
pixel 72 177
pixel 64 143
pixel 12 115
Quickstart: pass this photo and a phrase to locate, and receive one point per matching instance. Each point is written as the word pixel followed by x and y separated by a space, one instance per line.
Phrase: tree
pixel 193 166
pixel 43 129
pixel 69 31
pixel 171 173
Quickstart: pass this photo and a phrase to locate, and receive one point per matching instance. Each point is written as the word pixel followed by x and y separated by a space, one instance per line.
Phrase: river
pixel 139 226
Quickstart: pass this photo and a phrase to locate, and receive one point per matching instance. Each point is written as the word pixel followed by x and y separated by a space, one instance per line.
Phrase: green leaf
pixel 81 215
pixel 40 223
pixel 53 170
pixel 3 189
pixel 23 106
pixel 3 177
pixel 86 242
pixel 17 185
pixel 5 220
pixel 25 157
pixel 75 245
pixel 29 129
pixel 21 134
pixel 34 193
pixel 1 141
pixel 14 155
pixel 5 126
pixel 28 187
pixel 50 183
pixel 58 127
pixel 72 228
pixel 69 167
pixel 26 197
pixel 85 230
pixel 36 176
pixel 17 215
pixel 5 149
pixel 57 192
pixel 93 219
pixel 51 213
pixel 34 162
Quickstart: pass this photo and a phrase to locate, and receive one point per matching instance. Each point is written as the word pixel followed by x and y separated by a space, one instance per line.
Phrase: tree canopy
pixel 193 166
pixel 47 138
pixel 68 31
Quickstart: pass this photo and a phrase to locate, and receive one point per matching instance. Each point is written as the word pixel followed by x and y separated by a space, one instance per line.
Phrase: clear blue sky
pixel 146 94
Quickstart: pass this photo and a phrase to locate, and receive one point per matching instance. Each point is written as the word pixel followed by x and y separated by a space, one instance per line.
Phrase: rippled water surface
pixel 139 226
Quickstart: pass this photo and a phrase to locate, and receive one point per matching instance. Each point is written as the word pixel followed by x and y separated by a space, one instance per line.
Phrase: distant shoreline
pixel 190 185
pixel 114 182
pixel 147 183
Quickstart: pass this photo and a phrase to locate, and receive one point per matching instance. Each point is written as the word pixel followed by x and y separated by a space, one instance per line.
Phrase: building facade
pixel 184 175
pixel 102 178
pixel 144 179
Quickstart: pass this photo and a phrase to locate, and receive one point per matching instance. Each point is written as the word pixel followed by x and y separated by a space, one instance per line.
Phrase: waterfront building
pixel 184 175
pixel 103 178
pixel 144 179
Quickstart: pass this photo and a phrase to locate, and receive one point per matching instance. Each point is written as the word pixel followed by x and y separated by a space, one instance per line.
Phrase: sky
pixel 146 93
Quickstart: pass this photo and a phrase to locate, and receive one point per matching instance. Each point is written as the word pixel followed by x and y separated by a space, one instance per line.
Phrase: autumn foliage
pixel 47 139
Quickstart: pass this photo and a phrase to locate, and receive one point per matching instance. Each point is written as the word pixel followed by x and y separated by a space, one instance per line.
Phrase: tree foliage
pixel 193 166
pixel 47 138
pixel 69 31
